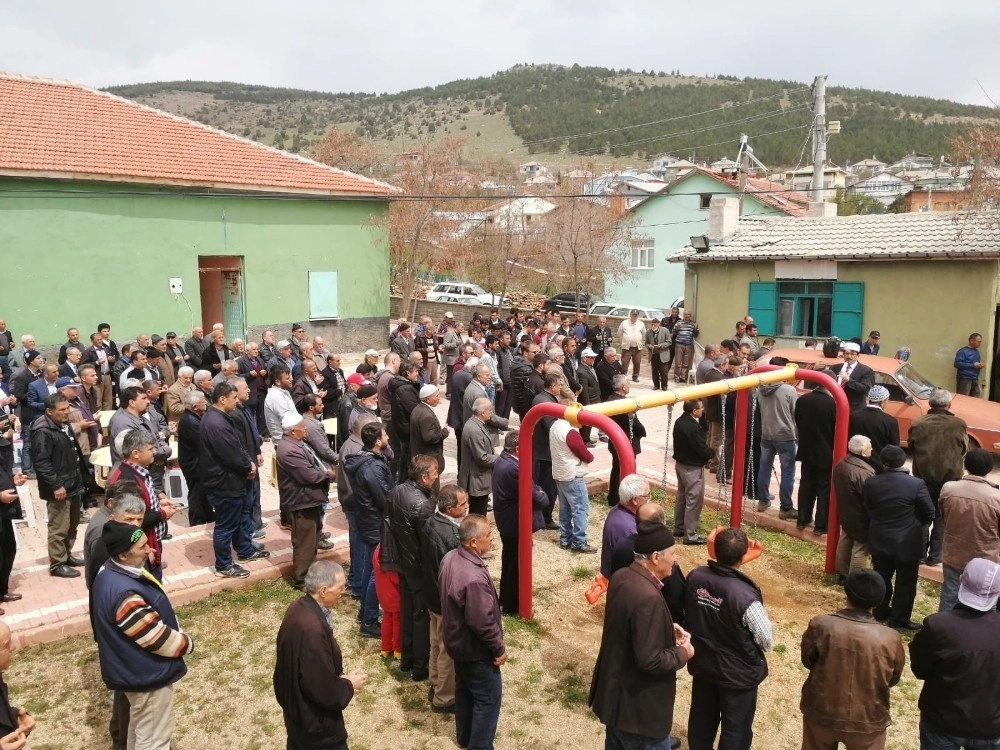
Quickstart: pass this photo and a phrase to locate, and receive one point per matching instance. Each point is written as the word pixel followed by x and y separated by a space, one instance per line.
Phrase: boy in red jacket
pixel 387 591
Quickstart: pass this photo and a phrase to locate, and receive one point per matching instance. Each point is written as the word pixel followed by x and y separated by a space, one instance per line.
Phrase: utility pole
pixel 819 139
pixel 744 167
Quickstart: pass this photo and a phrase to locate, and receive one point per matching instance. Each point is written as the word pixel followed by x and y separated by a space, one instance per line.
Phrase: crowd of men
pixel 417 546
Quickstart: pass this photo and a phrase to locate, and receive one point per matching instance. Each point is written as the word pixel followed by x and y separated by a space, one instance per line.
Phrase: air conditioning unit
pixel 176 487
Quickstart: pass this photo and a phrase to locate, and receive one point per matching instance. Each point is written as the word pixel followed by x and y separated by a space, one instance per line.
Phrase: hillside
pixel 532 109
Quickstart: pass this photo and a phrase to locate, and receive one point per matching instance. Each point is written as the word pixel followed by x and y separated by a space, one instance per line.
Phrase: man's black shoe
pixel 674 743
pixel 76 562
pixel 371 630
pixel 551 526
pixel 63 571
pixel 696 540
pixel 443 709
pixel 419 676
pixel 258 554
pixel 908 625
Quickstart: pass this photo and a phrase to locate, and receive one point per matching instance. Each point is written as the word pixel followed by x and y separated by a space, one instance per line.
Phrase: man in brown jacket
pixel 970 511
pixel 309 680
pixel 939 441
pixel 635 678
pixel 303 483
pixel 852 660
pixel 849 477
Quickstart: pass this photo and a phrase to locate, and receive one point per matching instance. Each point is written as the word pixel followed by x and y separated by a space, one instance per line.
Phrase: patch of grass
pixel 780 648
pixel 572 690
pixel 581 571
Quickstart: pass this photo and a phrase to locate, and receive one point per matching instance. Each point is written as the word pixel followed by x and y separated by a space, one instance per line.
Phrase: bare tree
pixel 980 146
pixel 589 240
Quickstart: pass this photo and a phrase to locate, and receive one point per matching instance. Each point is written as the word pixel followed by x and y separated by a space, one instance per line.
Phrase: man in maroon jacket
pixel 473 634
pixel 309 680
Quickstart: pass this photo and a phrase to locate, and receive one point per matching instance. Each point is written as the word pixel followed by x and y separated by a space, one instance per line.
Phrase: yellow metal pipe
pixel 631 404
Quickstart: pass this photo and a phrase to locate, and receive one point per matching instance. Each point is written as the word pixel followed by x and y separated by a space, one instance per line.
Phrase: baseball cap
pixel 356 378
pixel 371 353
pixel 850 346
pixel 283 344
pixel 449 315
pixel 980 584
pixel 588 352
pixel 64 382
pixel 875 335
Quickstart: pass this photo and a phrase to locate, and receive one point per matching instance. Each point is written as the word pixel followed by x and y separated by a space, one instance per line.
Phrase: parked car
pixel 617 310
pixel 465 289
pixel 908 394
pixel 569 302
pixel 460 299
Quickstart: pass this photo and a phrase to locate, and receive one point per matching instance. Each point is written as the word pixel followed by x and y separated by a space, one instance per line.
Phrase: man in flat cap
pixel 140 646
pixel 635 677
pixel 853 661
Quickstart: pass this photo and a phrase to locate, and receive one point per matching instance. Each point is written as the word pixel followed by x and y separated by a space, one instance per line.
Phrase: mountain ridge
pixel 581 114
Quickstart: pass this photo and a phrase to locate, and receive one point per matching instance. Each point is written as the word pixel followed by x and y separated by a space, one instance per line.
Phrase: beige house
pixel 925 281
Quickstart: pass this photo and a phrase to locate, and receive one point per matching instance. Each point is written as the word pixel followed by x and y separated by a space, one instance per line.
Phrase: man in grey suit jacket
pixel 475 472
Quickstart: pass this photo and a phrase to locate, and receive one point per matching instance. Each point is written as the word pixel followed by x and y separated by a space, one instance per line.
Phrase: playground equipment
pixel 598 415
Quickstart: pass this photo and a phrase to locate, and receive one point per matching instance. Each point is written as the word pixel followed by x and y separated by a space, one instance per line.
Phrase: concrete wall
pixel 78 254
pixel 671 219
pixel 929 306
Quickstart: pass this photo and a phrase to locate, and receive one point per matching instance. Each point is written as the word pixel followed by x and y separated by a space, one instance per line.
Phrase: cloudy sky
pixel 917 47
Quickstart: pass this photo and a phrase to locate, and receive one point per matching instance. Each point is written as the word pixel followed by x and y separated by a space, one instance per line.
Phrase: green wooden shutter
pixel 763 305
pixel 848 309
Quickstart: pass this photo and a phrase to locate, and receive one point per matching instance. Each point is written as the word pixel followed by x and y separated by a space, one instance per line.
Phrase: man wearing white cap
pixel 874 423
pixel 852 369
pixel 426 433
pixel 957 654
pixel 303 484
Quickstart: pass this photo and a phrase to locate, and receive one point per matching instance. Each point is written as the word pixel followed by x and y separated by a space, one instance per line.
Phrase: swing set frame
pixel 599 416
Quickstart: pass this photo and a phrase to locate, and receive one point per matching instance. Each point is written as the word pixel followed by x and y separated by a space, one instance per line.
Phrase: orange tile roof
pixel 768 192
pixel 68 131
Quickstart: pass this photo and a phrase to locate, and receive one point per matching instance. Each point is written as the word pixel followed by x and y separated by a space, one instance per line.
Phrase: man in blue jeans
pixel 351 446
pixel 777 437
pixel 227 473
pixel 473 634
pixel 570 459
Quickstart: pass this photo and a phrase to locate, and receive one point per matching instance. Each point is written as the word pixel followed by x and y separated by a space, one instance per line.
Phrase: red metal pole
pixel 525 458
pixel 840 437
pixel 739 458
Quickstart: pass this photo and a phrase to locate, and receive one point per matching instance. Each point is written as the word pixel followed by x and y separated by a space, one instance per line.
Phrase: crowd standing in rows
pixel 417 547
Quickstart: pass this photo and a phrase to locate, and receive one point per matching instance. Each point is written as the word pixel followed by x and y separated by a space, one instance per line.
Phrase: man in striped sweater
pixel 139 643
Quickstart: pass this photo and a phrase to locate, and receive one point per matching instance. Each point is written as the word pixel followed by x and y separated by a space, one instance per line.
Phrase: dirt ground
pixel 226 699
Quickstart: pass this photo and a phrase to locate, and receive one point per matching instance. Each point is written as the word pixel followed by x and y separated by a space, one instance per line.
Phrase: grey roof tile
pixel 959 235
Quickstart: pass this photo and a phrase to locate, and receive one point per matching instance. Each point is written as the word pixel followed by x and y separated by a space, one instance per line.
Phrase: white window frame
pixel 643 249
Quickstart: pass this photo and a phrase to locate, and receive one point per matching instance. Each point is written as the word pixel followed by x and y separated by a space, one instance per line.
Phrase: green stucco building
pixel 113 211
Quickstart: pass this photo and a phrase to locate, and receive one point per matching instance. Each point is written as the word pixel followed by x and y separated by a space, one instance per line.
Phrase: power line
pixel 781 95
pixel 754 118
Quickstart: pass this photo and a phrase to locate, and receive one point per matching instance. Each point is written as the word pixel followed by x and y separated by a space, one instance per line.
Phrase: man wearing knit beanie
pixel 632 694
pixel 853 661
pixel 140 646
pixel 970 509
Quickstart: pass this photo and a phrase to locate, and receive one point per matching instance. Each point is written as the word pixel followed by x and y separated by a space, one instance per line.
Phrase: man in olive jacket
pixel 939 441
pixel 309 680
pixel 635 677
